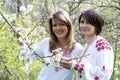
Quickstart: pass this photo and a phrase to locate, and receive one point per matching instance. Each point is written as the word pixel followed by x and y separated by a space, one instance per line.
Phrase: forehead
pixel 56 21
pixel 84 18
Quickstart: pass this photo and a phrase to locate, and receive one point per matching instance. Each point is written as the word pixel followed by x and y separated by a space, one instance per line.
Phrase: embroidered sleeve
pixel 23 49
pixel 25 53
pixel 38 51
pixel 102 45
pixel 102 67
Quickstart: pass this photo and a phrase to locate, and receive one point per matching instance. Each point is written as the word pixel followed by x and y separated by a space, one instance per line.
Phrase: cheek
pixel 93 30
pixel 66 29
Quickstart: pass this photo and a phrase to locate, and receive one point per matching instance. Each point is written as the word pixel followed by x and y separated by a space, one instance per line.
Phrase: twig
pixel 13 29
pixel 79 57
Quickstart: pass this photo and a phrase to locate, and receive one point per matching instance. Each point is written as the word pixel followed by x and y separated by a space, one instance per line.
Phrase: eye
pixel 82 21
pixel 54 25
pixel 62 24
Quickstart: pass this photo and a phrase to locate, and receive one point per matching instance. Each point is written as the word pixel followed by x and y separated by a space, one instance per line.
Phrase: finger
pixel 66 65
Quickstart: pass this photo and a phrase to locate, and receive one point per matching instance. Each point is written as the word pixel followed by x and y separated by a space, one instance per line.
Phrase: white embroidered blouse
pixel 99 64
pixel 52 72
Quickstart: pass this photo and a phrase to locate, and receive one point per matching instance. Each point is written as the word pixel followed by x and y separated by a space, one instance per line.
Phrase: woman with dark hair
pixel 61 37
pixel 98 65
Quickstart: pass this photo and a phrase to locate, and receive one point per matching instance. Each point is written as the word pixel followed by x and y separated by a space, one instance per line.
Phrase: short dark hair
pixel 94 18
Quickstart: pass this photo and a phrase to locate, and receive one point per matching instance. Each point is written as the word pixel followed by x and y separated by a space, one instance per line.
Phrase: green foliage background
pixel 11 65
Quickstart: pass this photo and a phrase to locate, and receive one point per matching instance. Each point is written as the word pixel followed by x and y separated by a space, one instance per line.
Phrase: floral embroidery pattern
pixel 64 53
pixel 80 76
pixel 80 68
pixel 76 66
pixel 57 69
pixel 102 44
pixel 103 68
pixel 96 78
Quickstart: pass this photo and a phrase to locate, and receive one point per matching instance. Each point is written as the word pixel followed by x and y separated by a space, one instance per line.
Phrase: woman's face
pixel 60 29
pixel 86 28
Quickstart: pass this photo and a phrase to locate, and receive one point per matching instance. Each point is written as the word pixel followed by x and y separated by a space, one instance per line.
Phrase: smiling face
pixel 90 22
pixel 86 28
pixel 60 29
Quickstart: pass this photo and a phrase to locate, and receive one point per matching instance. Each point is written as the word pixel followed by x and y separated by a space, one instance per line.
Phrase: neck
pixel 62 43
pixel 90 39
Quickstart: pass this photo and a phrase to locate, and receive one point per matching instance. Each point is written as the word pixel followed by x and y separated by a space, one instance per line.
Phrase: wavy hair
pixel 64 17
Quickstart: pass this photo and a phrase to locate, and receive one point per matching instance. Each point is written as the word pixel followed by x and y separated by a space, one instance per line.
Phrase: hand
pixel 17 32
pixel 66 63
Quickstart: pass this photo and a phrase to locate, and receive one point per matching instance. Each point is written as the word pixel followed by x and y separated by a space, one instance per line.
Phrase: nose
pixel 83 24
pixel 57 26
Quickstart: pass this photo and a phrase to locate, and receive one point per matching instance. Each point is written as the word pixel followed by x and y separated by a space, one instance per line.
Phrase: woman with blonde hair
pixel 61 37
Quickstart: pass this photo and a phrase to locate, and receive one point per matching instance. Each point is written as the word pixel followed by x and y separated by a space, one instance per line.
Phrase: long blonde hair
pixel 64 17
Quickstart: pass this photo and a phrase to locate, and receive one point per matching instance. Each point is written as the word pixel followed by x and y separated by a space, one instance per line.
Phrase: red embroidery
pixel 102 47
pixel 76 66
pixel 96 78
pixel 104 68
pixel 102 44
pixel 80 69
pixel 98 48
pixel 80 76
pixel 57 69
pixel 82 65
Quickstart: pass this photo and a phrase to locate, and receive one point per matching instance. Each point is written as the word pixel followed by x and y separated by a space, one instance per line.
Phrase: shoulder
pixel 77 49
pixel 78 45
pixel 45 40
pixel 102 44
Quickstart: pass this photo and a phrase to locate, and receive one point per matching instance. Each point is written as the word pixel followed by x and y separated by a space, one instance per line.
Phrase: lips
pixel 84 30
pixel 59 32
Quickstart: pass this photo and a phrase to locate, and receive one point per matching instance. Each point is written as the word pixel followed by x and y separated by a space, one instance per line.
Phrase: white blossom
pixel 26 68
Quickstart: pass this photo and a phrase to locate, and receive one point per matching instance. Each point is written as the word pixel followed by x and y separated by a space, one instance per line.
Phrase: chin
pixel 84 33
pixel 60 37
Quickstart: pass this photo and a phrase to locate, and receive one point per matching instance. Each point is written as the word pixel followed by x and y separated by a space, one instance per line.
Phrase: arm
pixel 102 66
pixel 69 64
pixel 34 54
